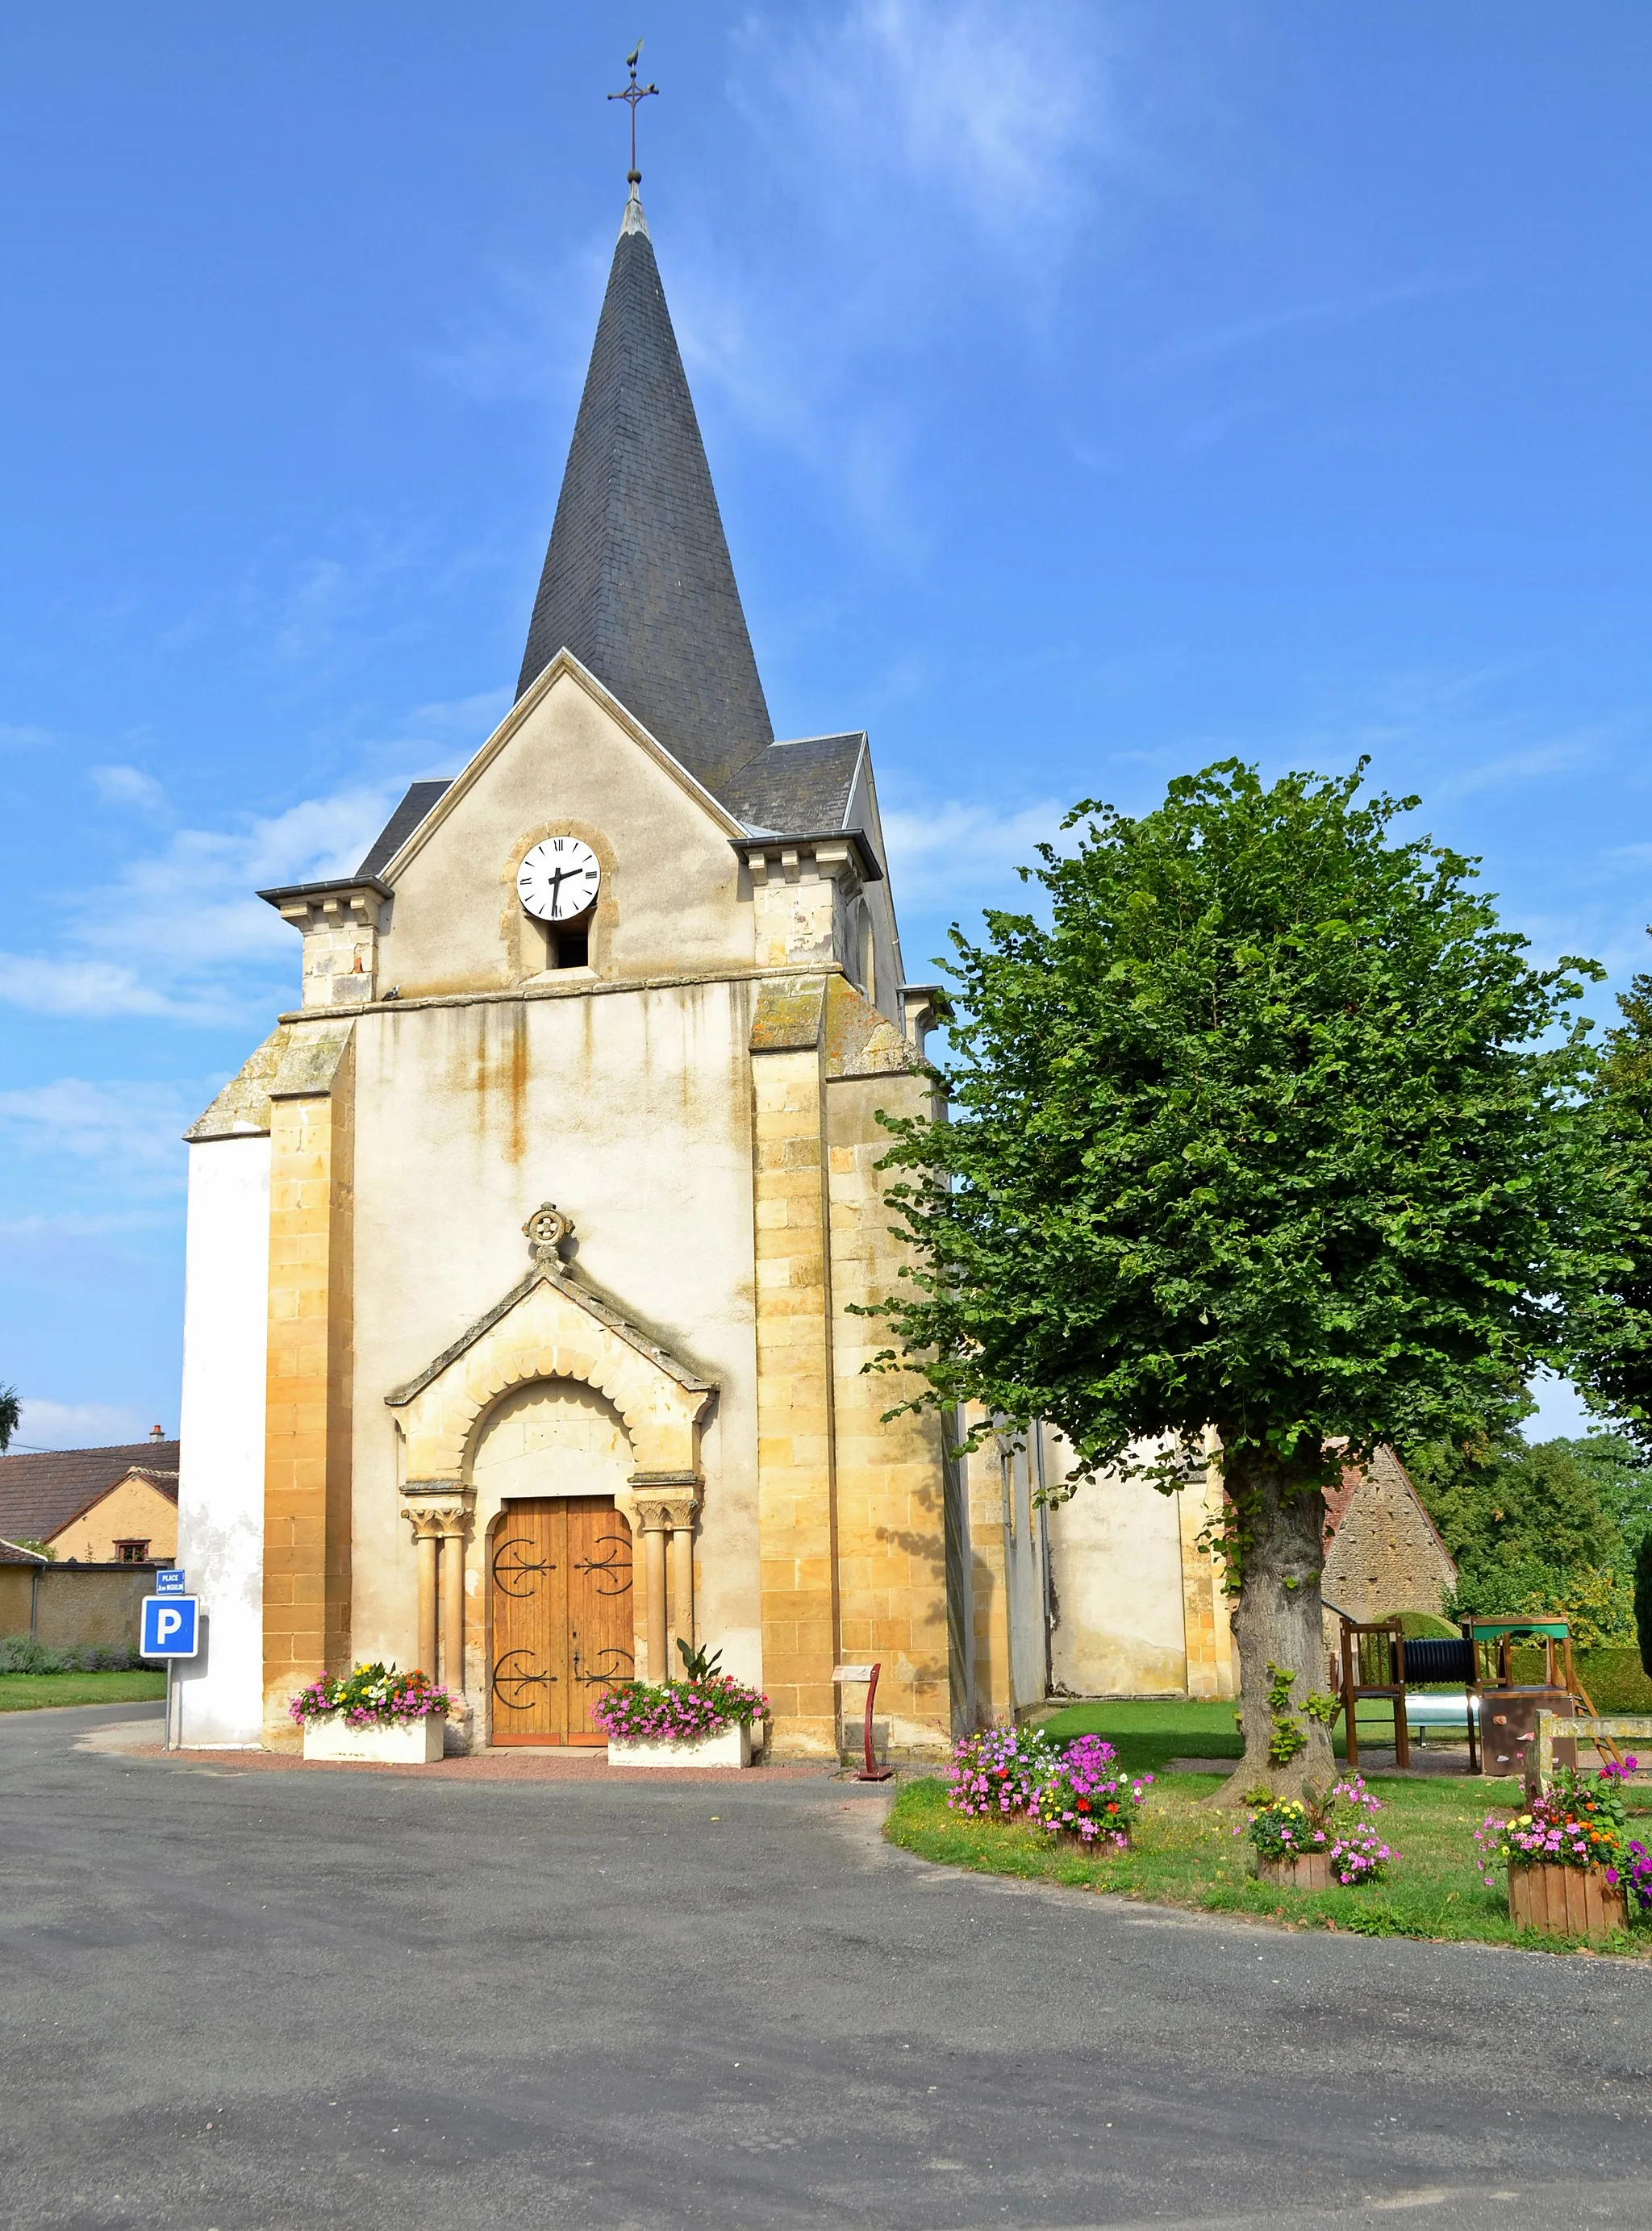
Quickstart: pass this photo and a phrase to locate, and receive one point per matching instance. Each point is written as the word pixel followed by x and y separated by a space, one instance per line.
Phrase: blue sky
pixel 1092 390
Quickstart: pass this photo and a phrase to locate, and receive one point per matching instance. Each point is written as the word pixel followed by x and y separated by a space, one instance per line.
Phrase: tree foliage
pixel 1271 1128
pixel 1616 1365
pixel 10 1412
pixel 1540 1527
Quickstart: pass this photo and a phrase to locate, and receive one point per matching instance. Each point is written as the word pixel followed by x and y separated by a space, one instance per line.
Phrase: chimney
pixel 158 1433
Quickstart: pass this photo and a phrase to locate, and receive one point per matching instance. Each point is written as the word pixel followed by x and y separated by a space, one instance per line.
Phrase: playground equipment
pixel 1499 1714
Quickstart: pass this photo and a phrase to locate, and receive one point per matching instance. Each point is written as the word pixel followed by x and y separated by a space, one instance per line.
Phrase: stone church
pixel 521 1253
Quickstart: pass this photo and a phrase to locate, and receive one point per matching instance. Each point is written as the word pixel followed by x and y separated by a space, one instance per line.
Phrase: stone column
pixel 682 1577
pixel 426 1533
pixel 439 1512
pixel 453 1534
pixel 655 1530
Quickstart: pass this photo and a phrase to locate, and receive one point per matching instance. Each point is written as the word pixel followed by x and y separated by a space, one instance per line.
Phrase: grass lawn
pixel 31 1692
pixel 1186 1853
pixel 1146 1735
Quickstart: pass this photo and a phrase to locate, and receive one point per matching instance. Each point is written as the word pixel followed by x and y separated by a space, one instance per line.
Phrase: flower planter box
pixel 729 1746
pixel 1566 1901
pixel 398 1742
pixel 1310 1872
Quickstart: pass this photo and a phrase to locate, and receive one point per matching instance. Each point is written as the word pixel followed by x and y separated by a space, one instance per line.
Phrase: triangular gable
pixel 585 1298
pixel 563 667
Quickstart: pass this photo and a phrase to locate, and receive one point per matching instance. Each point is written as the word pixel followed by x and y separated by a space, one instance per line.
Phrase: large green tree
pixel 1270 1129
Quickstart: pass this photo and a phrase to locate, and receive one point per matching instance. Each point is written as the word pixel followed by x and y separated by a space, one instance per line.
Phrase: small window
pixel 132 1553
pixel 573 948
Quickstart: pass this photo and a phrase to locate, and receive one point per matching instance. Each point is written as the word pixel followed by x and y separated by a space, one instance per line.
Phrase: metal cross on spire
pixel 632 94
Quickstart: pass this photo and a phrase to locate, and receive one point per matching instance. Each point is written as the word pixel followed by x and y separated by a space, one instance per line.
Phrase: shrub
pixel 374 1695
pixel 21 1653
pixel 1643 1602
pixel 676 1711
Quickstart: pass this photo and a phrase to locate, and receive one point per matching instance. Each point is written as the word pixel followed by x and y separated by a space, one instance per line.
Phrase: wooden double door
pixel 561 1618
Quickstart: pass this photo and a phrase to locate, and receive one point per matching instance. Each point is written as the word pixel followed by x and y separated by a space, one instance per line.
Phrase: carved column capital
pixel 665 1500
pixel 436 1507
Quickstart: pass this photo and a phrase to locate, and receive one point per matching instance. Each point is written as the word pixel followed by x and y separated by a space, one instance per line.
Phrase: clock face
pixel 558 879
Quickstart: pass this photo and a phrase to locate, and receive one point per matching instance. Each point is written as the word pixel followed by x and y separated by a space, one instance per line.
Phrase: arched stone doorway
pixel 572 1384
pixel 549 1465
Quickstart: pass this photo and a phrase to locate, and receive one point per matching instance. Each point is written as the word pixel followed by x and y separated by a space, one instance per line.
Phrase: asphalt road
pixel 267 2001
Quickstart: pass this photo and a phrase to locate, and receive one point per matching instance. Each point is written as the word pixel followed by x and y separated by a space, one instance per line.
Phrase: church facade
pixel 519 1341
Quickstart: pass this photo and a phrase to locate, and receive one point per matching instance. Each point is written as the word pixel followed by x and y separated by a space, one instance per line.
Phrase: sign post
pixel 170 1629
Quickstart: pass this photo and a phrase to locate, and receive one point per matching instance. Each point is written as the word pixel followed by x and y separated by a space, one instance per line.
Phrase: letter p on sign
pixel 171 1627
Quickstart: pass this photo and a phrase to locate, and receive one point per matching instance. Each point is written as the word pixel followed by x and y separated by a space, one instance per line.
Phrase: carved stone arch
pixel 552 1327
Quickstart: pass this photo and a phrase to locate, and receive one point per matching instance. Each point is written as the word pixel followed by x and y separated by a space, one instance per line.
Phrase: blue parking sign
pixel 171 1627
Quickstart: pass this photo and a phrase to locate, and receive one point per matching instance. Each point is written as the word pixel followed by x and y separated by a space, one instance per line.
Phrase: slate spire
pixel 638 582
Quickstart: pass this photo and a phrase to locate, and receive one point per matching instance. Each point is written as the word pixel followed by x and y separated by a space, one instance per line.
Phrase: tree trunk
pixel 1279 1509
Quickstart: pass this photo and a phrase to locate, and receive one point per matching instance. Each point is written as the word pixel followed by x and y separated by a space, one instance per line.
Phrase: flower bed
pixel 1572 1869
pixel 676 1711
pixel 1075 1789
pixel 1328 1839
pixel 374 1715
pixel 376 1695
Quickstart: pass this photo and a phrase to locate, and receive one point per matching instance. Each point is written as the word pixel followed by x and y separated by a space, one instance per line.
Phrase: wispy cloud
pixel 1005 115
pixel 959 857
pixel 79 1424
pixel 1528 763
pixel 182 933
pixel 130 1130
pixel 128 785
pixel 1288 319
pixel 21 736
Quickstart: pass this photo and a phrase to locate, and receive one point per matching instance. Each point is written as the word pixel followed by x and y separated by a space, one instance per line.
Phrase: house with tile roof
pixel 104 1506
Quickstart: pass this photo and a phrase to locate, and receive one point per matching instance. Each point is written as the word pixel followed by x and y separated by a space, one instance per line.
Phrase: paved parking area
pixel 245 2001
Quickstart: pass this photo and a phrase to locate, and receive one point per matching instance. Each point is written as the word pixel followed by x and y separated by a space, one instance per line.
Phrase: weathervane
pixel 632 94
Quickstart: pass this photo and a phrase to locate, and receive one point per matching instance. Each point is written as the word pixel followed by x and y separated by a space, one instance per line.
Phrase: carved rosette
pixel 545 1231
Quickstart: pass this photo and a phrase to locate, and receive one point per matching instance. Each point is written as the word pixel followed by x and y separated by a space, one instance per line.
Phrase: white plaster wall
pixel 1116 1585
pixel 632 1110
pixel 221 1467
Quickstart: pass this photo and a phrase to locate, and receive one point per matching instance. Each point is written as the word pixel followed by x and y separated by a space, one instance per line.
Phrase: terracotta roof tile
pixel 41 1493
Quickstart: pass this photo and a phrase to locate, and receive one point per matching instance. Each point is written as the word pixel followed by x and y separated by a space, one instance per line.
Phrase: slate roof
pixel 797 789
pixel 421 796
pixel 637 581
pixel 40 1494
